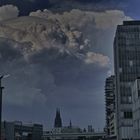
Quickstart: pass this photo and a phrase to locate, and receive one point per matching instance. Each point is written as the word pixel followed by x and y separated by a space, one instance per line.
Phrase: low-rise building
pixel 19 131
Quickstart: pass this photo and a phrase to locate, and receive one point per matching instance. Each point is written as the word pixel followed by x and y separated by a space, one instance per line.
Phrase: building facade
pixel 136 109
pixel 127 69
pixel 110 107
pixel 19 131
pixel 73 133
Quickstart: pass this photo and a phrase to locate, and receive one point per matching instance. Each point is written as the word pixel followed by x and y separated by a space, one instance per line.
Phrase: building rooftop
pixel 131 22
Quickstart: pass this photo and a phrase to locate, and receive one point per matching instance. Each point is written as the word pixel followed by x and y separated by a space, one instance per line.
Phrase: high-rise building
pixel 58 120
pixel 136 109
pixel 110 106
pixel 127 69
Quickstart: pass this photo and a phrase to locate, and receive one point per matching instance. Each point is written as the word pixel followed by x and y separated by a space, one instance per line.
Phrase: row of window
pixel 127 115
pixel 123 30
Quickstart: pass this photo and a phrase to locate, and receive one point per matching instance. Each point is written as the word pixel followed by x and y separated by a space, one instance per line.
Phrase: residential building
pixel 110 107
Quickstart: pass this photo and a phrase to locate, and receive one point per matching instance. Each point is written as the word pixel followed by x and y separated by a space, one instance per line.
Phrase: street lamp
pixel 1 89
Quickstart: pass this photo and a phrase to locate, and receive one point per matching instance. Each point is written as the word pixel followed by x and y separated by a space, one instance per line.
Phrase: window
pixel 128 115
pixel 120 70
pixel 131 63
pixel 130 99
pixel 138 93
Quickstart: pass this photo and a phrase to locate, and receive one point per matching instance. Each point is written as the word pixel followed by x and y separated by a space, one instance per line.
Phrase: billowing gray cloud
pixel 47 34
pixel 96 27
pixel 8 12
pixel 101 20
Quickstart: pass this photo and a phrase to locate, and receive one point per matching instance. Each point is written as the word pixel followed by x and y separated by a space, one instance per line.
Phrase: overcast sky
pixel 58 54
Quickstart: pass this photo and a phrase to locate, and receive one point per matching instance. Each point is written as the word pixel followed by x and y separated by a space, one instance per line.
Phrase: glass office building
pixel 136 109
pixel 127 69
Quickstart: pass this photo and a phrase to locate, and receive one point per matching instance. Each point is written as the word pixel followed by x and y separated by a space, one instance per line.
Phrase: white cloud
pixel 95 58
pixel 8 12
pixel 109 18
pixel 109 73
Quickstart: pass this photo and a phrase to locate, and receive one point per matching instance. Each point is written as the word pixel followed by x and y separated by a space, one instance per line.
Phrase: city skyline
pixel 59 58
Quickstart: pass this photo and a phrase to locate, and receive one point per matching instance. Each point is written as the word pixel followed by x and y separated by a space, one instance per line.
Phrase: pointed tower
pixel 70 125
pixel 58 121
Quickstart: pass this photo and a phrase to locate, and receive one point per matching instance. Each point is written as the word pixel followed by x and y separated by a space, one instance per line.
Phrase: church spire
pixel 58 121
pixel 70 125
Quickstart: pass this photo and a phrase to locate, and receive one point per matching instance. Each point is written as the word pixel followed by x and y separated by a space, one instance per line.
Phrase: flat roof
pixel 131 22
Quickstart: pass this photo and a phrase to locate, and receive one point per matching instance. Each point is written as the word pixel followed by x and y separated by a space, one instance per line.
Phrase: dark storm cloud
pixel 7 49
pixel 68 71
pixel 22 87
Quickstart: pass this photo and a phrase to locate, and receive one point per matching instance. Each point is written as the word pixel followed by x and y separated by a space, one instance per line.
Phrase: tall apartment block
pixel 127 69
pixel 110 107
